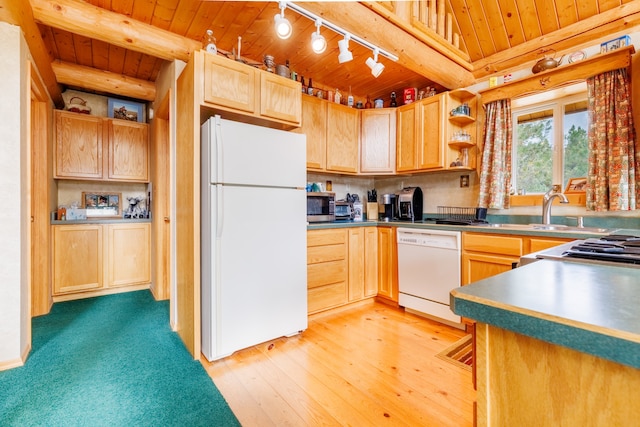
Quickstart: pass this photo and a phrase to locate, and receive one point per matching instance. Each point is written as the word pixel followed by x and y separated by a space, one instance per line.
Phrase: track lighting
pixel 282 24
pixel 318 42
pixel 376 67
pixel 345 54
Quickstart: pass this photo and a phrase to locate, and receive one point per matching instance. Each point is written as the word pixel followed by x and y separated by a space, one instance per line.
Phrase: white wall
pixel 14 198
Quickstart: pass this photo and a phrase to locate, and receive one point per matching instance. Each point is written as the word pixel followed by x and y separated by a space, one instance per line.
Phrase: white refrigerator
pixel 254 236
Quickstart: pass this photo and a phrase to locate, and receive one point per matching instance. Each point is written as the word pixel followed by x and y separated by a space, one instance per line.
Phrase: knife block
pixel 372 211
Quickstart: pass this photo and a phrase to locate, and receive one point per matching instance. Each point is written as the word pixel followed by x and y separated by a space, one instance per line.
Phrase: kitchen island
pixel 557 343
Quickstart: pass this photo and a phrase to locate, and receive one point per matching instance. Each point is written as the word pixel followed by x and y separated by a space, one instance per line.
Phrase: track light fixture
pixel 318 42
pixel 376 67
pixel 282 24
pixel 345 54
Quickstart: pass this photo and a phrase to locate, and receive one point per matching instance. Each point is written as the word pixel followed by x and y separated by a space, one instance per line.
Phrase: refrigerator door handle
pixel 218 139
pixel 220 211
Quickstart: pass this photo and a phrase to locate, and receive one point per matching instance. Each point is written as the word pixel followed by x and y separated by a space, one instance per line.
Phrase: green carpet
pixel 110 361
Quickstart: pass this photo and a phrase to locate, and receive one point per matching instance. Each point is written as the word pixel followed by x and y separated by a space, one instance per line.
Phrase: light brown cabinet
pixel 485 255
pixel 237 88
pixel 378 141
pixel 387 264
pixel 77 258
pixel 314 126
pixel 93 259
pixel 420 130
pixel 341 266
pixel 343 137
pixel 96 148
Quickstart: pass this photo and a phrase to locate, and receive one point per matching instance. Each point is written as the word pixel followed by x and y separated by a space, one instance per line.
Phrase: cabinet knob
pixel 166 219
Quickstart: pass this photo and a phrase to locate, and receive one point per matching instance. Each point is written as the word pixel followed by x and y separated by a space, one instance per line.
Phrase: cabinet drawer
pixel 326 296
pixel 539 244
pixel 326 237
pixel 326 272
pixel 503 245
pixel 318 254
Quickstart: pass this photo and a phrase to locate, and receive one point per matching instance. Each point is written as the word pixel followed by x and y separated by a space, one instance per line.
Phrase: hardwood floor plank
pixel 368 365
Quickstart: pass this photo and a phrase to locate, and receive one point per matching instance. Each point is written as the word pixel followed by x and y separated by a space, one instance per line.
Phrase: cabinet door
pixel 314 126
pixel 229 84
pixel 356 264
pixel 129 254
pixel 327 269
pixel 342 138
pixel 480 266
pixel 406 138
pixel 280 98
pixel 128 151
pixel 77 258
pixel 430 133
pixel 78 152
pixel 370 261
pixel 387 263
pixel 378 141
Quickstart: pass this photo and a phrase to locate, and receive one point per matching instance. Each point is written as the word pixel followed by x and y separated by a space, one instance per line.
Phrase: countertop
pixel 100 221
pixel 587 307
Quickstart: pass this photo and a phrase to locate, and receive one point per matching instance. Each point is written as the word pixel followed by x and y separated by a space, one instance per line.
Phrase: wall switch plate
pixel 464 181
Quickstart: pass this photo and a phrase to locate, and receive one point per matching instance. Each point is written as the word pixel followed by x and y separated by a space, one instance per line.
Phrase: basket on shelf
pixel 78 105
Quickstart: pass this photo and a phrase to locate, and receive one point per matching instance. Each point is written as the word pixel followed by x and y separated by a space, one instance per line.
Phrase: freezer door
pixel 242 154
pixel 259 267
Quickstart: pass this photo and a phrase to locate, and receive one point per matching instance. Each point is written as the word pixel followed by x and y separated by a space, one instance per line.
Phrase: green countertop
pixel 591 308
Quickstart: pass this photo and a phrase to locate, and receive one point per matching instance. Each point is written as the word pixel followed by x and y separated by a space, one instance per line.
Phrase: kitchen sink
pixel 553 227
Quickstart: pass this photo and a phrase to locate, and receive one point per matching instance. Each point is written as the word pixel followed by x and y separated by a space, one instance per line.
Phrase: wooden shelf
pixel 461 119
pixel 461 144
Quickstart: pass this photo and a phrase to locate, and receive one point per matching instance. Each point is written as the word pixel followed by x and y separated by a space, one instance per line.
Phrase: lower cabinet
pixel 387 264
pixel 93 259
pixel 341 266
pixel 485 255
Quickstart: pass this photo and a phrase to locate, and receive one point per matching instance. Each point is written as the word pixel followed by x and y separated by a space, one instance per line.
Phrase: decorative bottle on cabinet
pixel 210 43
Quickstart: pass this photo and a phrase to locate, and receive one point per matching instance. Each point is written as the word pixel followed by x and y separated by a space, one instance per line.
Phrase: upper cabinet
pixel 89 147
pixel 343 135
pixel 438 133
pixel 420 135
pixel 243 92
pixel 378 141
pixel 333 133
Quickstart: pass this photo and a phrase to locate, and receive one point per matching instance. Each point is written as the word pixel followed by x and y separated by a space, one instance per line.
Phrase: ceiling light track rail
pixel 339 30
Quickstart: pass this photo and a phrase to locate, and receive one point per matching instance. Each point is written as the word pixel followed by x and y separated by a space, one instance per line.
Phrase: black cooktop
pixel 616 248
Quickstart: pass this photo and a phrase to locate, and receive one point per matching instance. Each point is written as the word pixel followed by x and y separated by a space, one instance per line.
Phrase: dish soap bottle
pixel 210 43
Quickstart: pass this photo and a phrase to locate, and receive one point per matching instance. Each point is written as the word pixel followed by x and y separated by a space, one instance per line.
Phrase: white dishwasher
pixel 428 269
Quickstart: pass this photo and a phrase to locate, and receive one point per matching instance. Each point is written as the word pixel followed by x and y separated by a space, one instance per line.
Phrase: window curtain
pixel 614 156
pixel 495 173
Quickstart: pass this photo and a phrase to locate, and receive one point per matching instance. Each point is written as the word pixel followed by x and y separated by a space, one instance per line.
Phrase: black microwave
pixel 321 206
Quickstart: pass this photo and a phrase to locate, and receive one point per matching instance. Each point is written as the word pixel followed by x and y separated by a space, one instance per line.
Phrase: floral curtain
pixel 614 154
pixel 495 173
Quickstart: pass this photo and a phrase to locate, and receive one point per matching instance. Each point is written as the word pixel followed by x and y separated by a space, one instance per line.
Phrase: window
pixel 549 142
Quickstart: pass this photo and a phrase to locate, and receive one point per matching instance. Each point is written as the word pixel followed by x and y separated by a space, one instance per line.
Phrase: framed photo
pixel 576 185
pixel 125 110
pixel 102 205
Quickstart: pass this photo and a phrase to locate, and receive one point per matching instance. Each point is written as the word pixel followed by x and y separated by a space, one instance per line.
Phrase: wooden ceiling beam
pixel 19 13
pixel 603 25
pixel 412 53
pixel 103 81
pixel 100 24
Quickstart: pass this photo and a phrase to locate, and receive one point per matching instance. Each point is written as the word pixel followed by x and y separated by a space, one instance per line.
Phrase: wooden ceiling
pixel 491 36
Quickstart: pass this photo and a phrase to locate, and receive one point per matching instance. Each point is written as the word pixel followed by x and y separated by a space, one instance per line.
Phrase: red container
pixel 410 95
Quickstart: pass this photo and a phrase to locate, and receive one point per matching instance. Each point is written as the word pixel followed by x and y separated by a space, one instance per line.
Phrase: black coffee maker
pixel 389 203
pixel 410 204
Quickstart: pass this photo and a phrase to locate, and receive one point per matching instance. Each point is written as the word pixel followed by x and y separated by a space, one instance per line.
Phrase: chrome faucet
pixel 547 201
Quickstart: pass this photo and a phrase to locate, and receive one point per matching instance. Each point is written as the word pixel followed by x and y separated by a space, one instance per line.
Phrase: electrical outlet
pixel 464 181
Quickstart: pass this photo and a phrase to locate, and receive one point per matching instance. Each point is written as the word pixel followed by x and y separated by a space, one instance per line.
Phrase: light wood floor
pixel 369 365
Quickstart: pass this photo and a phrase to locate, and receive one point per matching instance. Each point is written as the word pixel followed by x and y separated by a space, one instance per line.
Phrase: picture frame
pixel 576 186
pixel 102 205
pixel 125 110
